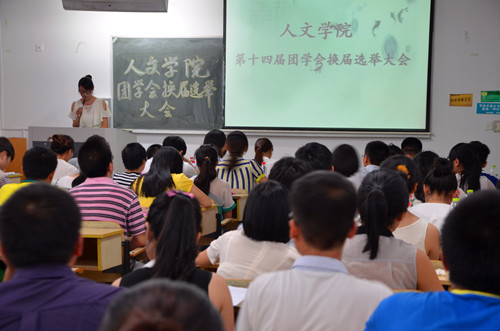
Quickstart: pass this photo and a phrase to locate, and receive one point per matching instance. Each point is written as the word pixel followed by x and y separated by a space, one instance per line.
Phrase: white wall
pixel 36 89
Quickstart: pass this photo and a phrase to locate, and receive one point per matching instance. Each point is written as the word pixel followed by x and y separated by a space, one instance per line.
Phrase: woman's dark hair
pixel 382 197
pixel 236 142
pixel 86 83
pixel 423 161
pixel 206 159
pixel 175 221
pixel 167 161
pixel 262 145
pixel 406 168
pixel 441 178
pixel 78 180
pixel 265 217
pixel 345 160
pixel 62 143
pixel 161 304
pixel 468 159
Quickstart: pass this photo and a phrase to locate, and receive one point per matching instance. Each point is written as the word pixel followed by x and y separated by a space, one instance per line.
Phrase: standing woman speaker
pixel 89 111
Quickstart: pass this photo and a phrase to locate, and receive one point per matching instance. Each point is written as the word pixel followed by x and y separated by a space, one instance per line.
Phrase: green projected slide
pixel 336 64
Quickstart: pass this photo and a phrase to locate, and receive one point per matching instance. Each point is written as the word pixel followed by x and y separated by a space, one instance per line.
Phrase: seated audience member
pixel 161 304
pixel 263 154
pixel 39 164
pixel 207 181
pixel 261 246
pixel 394 150
pixel 134 158
pixel 6 156
pixel 64 147
pixel 375 153
pixel 374 253
pixel 151 151
pixel 413 229
pixel 466 167
pixel 101 199
pixel 317 293
pixel 440 186
pixel 40 239
pixel 318 156
pixel 288 169
pixel 216 138
pixel 423 162
pixel 174 229
pixel 180 145
pixel 471 251
pixel 166 174
pixel 411 146
pixel 486 180
pixel 345 160
pixel 238 172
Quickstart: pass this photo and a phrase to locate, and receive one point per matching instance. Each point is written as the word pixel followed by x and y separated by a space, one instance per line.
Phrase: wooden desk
pixel 444 279
pixel 102 248
pixel 241 199
pixel 15 178
pixel 209 220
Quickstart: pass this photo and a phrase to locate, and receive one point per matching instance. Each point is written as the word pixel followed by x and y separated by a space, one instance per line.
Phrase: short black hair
pixel 288 169
pixel 39 224
pixel 133 155
pixel 317 155
pixel 175 142
pixel 323 205
pixel 216 138
pixel 6 145
pixel 482 151
pixel 39 162
pixel 159 304
pixel 471 248
pixel 411 146
pixel 94 157
pixel 394 150
pixel 151 151
pixel 265 217
pixel 345 160
pixel 423 161
pixel 377 151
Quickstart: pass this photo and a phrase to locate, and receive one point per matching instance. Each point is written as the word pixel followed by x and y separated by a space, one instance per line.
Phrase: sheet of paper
pixel 237 294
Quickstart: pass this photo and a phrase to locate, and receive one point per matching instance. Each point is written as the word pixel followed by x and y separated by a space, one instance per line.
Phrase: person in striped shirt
pixel 238 172
pixel 101 199
pixel 134 159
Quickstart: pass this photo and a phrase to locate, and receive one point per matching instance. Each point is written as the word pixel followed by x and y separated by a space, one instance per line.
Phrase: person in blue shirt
pixel 471 252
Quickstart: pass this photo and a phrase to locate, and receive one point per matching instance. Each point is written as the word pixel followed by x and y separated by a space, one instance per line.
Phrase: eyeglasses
pixel 87 92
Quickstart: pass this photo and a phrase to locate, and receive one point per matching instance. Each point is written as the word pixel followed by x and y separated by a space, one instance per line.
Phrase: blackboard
pixel 168 83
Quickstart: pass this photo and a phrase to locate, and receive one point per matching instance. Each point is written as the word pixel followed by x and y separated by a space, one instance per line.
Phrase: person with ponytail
pixel 263 154
pixel 240 173
pixel 207 181
pixel 413 229
pixel 166 174
pixel 466 167
pixel 439 188
pixel 89 111
pixel 374 253
pixel 174 228
pixel 64 147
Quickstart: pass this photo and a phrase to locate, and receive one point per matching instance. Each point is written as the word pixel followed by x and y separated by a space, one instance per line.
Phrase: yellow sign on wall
pixel 460 100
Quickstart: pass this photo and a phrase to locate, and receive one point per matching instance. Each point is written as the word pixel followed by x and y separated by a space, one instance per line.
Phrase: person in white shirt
pixel 318 293
pixel 375 153
pixel 64 147
pixel 261 246
pixel 263 154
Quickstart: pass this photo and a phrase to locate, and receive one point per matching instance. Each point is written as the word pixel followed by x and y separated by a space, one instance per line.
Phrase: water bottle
pixel 263 166
pixel 469 192
pixel 454 203
pixel 494 171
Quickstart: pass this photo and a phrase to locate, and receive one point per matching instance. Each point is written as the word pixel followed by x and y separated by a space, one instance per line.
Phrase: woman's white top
pixel 65 182
pixel 92 115
pixel 413 234
pixel 63 169
pixel 435 213
pixel 268 165
pixel 243 258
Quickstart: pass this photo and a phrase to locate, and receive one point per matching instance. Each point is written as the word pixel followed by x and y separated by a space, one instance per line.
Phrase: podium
pixel 117 139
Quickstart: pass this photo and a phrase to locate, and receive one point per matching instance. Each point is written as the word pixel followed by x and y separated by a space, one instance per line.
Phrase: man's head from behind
pixel 39 163
pixel 471 245
pixel 323 205
pixel 217 138
pixel 134 156
pixel 288 169
pixel 6 153
pixel 39 224
pixel 411 146
pixel 375 153
pixel 176 142
pixel 94 157
pixel 318 156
